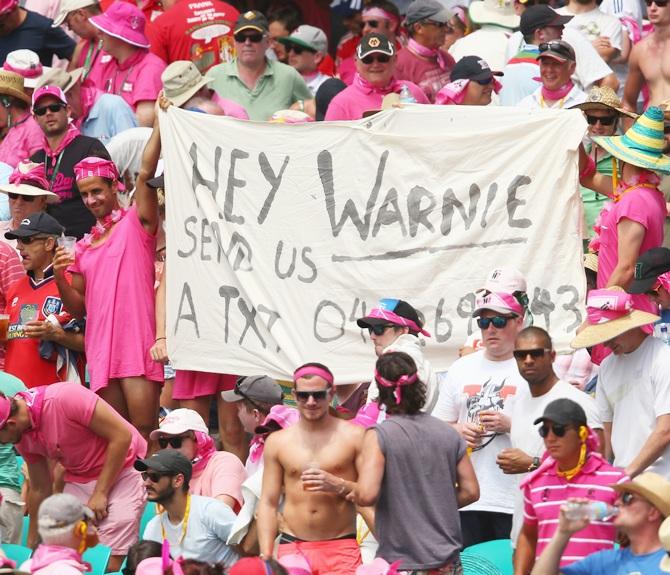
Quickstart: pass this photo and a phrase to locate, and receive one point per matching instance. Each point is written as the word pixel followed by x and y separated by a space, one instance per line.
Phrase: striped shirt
pixel 544 491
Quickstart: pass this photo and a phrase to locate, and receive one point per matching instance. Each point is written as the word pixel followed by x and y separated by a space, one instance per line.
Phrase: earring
pixel 583 432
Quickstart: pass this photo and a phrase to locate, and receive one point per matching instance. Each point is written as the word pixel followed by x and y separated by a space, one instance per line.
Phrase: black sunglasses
pixel 498 321
pixel 436 24
pixel 604 120
pixel 13 196
pixel 297 50
pixel 485 82
pixel 174 442
pixel 659 3
pixel 30 239
pixel 558 429
pixel 555 46
pixel 534 353
pixel 378 329
pixel 153 476
pixel 372 23
pixel 383 58
pixel 303 396
pixel 242 38
pixel 51 107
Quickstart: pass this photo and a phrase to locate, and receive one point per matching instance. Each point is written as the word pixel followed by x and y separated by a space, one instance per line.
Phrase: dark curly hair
pixel 392 366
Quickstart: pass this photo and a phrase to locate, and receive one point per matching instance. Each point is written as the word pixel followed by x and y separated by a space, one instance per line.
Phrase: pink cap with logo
pixel 54 91
pixel 497 301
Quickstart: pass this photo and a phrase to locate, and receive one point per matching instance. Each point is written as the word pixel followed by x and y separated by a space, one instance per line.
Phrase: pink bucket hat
pixel 123 21
pixel 7 6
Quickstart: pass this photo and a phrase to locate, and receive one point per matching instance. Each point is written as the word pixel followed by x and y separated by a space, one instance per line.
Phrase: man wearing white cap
pixel 128 68
pixel 306 47
pixel 27 64
pixel 633 392
pixel 477 398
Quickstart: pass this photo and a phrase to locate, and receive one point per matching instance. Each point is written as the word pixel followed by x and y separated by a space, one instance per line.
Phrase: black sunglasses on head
pixel 13 196
pixel 303 396
pixel 174 442
pixel 604 120
pixel 535 353
pixel 558 429
pixel 557 47
pixel 238 391
pixel 383 58
pixel 241 38
pixel 51 107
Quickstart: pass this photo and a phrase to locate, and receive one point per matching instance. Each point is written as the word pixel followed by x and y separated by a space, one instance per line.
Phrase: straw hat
pixel 11 84
pixel 498 12
pixel 591 262
pixel 652 486
pixel 597 328
pixel 604 98
pixel 59 77
pixel 642 145
pixel 664 536
pixel 181 81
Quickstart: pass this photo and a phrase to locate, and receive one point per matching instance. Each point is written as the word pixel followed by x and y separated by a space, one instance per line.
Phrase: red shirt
pixel 200 31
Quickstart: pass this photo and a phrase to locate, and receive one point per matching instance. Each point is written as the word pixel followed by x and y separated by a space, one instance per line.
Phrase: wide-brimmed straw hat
pixel 664 536
pixel 642 145
pixel 498 12
pixel 59 77
pixel 652 486
pixel 604 98
pixel 591 262
pixel 123 21
pixel 11 84
pixel 609 313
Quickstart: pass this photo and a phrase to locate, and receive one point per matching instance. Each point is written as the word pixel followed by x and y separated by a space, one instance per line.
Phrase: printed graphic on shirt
pixel 489 396
pixel 52 305
pixel 28 312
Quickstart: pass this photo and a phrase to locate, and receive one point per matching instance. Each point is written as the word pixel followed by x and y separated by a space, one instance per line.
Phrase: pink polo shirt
pixel 351 102
pixel 22 141
pixel 544 491
pixel 223 475
pixel 137 79
pixel 61 432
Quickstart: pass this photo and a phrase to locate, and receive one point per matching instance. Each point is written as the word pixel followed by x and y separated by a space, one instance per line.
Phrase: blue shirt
pixel 617 562
pixel 5 171
pixel 109 116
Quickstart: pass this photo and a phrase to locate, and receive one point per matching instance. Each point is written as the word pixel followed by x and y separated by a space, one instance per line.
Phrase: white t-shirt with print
pixel 595 23
pixel 474 384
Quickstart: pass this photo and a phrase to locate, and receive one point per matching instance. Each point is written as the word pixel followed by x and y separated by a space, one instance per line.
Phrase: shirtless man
pixel 650 60
pixel 315 462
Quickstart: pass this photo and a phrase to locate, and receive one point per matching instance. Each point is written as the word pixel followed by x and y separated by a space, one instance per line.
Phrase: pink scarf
pixel 71 134
pixel 554 95
pixel 430 53
pixel 393 86
pixel 46 555
pixel 89 96
pixel 454 92
pixel 205 451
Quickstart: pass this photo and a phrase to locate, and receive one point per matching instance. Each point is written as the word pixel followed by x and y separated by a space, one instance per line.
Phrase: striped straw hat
pixel 642 145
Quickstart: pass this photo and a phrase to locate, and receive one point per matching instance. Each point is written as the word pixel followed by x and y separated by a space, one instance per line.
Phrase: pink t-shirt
pixel 223 475
pixel 21 142
pixel 544 491
pixel 138 79
pixel 424 72
pixel 63 433
pixel 351 102
pixel 120 300
pixel 230 108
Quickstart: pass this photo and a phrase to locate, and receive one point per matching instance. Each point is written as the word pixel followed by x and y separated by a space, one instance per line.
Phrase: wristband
pixel 589 169
pixel 159 338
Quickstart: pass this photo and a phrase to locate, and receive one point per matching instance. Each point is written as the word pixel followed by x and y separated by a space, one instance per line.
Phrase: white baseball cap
pixel 505 280
pixel 180 421
pixel 67 6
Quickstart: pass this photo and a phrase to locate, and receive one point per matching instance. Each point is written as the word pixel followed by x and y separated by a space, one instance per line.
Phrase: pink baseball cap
pixel 7 6
pixel 124 21
pixel 54 91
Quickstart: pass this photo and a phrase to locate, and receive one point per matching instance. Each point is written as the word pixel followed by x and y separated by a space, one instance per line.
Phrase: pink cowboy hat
pixel 123 21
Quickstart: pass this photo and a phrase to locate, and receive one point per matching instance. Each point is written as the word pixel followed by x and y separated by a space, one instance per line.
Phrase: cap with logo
pixel 433 10
pixel 564 412
pixel 472 68
pixel 124 21
pixel 505 279
pixel 180 421
pixel 541 16
pixel 648 267
pixel 559 50
pixel 166 462
pixel 309 37
pixel 251 20
pixel 49 90
pixel 255 388
pixel 374 44
pixel 34 224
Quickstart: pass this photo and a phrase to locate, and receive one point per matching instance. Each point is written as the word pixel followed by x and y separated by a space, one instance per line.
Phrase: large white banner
pixel 280 236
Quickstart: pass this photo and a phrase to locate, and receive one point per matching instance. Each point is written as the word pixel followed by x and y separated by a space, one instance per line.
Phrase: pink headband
pixel 402 380
pixel 5 406
pixel 312 370
pixel 377 12
pixel 492 300
pixel 99 167
pixel 29 173
pixel 603 305
pixel 381 313
pixel 32 72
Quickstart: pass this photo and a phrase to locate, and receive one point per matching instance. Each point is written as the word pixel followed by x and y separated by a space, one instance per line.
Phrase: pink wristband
pixel 589 169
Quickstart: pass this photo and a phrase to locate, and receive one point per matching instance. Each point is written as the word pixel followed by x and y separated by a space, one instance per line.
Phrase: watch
pixel 535 464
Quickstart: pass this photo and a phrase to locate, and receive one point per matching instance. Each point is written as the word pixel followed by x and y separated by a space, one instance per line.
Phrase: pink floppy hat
pixel 123 21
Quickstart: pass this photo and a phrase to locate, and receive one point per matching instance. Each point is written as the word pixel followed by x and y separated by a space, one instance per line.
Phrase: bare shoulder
pixel 277 440
pixel 350 430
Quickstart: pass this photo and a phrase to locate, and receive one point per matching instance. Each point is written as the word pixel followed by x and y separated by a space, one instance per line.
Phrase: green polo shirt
pixel 278 88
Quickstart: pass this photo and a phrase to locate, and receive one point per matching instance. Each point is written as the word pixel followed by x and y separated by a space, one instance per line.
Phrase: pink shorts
pixel 332 557
pixel 126 501
pixel 191 384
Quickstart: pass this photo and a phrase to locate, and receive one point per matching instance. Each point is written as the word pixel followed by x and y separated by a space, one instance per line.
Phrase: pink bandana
pixel 6 6
pixel 603 305
pixel 312 370
pixel 398 383
pixel 394 318
pixel 454 92
pixel 206 448
pixel 494 300
pixel 377 12
pixel 31 174
pixel 561 92
pixel 393 86
pixel 664 280
pixel 92 166
pixel 436 53
pixel 45 555
pixel 281 414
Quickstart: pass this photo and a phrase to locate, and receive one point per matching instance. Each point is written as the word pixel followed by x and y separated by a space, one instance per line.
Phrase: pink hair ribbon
pixel 398 383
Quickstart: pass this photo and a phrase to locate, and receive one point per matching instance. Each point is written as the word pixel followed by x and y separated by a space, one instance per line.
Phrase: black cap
pixel 34 224
pixel 397 306
pixel 251 20
pixel 541 16
pixel 648 267
pixel 375 44
pixel 472 68
pixel 324 95
pixel 563 411
pixel 427 10
pixel 157 182
pixel 255 388
pixel 166 462
pixel 558 50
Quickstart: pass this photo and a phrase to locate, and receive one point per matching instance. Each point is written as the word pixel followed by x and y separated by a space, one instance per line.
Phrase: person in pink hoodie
pixel 66 528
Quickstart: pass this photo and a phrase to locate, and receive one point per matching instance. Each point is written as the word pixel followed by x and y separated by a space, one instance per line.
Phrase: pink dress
pixel 119 275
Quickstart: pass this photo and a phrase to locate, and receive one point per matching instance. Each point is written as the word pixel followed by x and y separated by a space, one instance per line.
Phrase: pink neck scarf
pixel 554 95
pixel 398 383
pixel 45 555
pixel 436 53
pixel 205 451
pixel 603 305
pixel 71 134
pixel 393 86
pixel 34 399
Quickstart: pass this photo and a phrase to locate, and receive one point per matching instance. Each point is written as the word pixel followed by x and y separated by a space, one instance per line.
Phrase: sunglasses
pixel 604 121
pixel 371 23
pixel 383 58
pixel 174 442
pixel 558 429
pixel 659 3
pixel 378 329
pixel 51 107
pixel 29 240
pixel 627 498
pixel 13 196
pixel 436 24
pixel 485 82
pixel 498 321
pixel 297 50
pixel 254 38
pixel 152 476
pixel 557 47
pixel 534 353
pixel 303 396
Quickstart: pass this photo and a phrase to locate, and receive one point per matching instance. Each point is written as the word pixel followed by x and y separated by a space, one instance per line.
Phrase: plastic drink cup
pixel 67 242
pixel 4 325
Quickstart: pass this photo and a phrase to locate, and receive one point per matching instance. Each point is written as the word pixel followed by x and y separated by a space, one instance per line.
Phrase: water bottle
pixel 665 336
pixel 594 510
pixel 406 96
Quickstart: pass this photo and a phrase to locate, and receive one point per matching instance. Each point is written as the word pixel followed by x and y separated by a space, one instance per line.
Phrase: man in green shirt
pixel 260 85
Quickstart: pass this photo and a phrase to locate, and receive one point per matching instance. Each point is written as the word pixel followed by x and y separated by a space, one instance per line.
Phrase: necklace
pixel 101 227
pixel 184 524
pixel 560 102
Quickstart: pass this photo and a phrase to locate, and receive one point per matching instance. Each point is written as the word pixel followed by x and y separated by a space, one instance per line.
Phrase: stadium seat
pixel 17 553
pixel 496 553
pixel 98 557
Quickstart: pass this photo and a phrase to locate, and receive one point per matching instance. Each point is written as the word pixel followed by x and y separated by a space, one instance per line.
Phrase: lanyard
pixel 184 526
pixel 109 88
pixel 55 172
pixel 91 57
